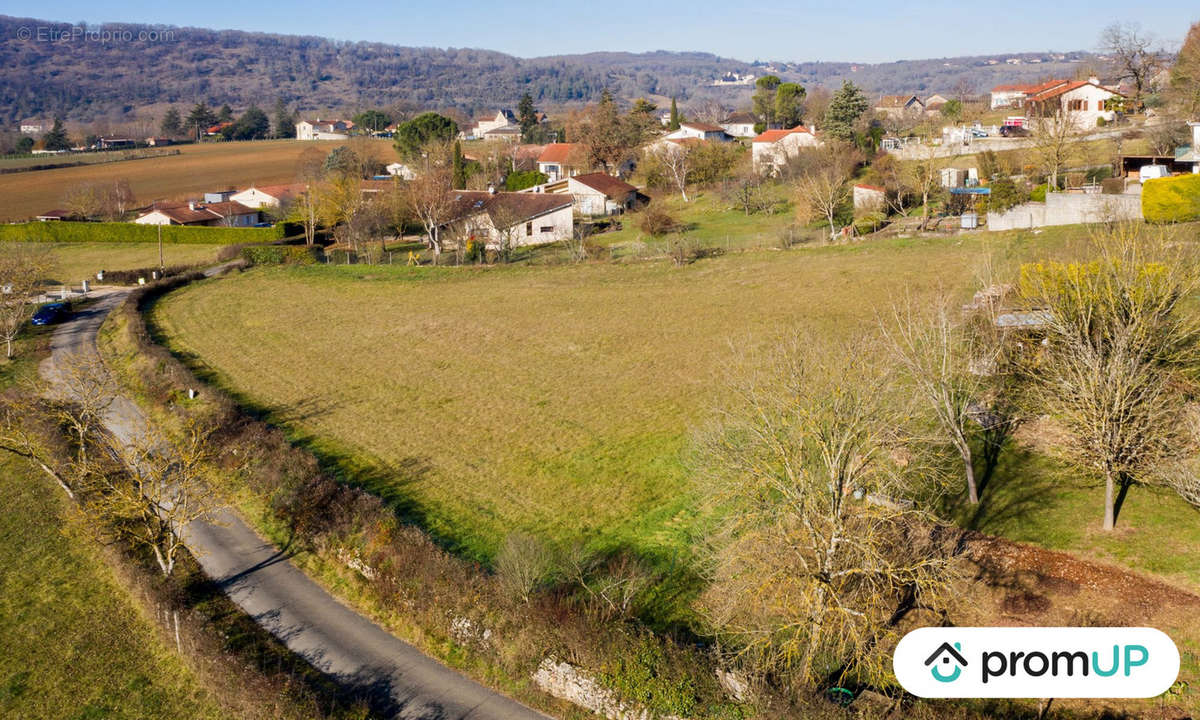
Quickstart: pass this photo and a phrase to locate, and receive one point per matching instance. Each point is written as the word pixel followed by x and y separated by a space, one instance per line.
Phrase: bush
pixel 1005 194
pixel 130 277
pixel 282 254
pixel 1038 194
pixel 1112 186
pixel 78 232
pixel 521 180
pixel 1173 199
pixel 657 221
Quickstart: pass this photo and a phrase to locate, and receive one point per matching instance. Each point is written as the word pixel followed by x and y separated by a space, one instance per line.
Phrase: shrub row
pixel 59 231
pixel 1172 199
pixel 282 254
pixel 539 611
pixel 130 277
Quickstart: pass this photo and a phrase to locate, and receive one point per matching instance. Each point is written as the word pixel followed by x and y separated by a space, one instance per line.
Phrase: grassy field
pixel 207 166
pixel 72 645
pixel 79 261
pixel 561 401
pixel 709 220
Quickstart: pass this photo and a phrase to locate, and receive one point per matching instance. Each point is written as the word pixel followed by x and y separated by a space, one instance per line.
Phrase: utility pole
pixel 162 268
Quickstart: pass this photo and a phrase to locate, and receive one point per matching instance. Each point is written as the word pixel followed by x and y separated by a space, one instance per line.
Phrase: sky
pixel 835 30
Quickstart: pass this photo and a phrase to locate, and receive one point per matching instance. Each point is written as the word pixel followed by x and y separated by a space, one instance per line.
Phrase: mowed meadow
pixel 198 167
pixel 75 262
pixel 556 401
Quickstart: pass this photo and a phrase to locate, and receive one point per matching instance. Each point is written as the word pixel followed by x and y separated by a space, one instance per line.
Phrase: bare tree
pixel 28 431
pixel 1133 57
pixel 1117 339
pixel 22 271
pixel 823 179
pixel 676 161
pixel 821 546
pixel 923 176
pixel 1055 134
pixel 937 353
pixel 163 488
pixel 430 198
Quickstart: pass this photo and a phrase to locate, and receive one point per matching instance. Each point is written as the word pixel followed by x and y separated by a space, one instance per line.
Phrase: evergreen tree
pixel 764 99
pixel 526 116
pixel 225 114
pixel 252 125
pixel 459 168
pixel 285 120
pixel 414 134
pixel 57 138
pixel 372 120
pixel 789 104
pixel 200 118
pixel 675 119
pixel 172 125
pixel 845 108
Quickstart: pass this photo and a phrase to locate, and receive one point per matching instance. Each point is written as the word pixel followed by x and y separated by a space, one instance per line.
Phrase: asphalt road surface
pixel 267 586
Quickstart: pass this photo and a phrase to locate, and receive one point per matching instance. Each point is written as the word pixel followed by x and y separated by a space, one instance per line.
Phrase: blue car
pixel 50 314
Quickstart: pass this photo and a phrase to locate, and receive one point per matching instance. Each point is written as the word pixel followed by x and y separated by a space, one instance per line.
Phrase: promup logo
pixel 1036 662
pixel 947 653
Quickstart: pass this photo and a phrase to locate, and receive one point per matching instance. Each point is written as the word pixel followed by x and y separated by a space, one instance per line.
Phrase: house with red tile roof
pixel 1087 102
pixel 558 161
pixel 772 148
pixel 223 214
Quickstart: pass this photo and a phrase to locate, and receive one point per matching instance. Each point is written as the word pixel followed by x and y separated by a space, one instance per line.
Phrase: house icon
pixel 947 653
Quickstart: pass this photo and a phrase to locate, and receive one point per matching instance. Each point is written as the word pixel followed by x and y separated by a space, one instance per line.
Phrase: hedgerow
pixel 118 232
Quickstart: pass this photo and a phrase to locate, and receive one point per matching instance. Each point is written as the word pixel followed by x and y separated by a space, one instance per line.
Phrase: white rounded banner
pixel 1036 662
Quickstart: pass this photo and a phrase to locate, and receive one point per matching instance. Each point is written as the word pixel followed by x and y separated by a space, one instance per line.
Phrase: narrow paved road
pixel 267 586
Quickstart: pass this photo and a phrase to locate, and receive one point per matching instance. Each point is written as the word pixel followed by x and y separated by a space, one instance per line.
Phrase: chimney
pixel 191 204
pixel 1094 80
pixel 491 189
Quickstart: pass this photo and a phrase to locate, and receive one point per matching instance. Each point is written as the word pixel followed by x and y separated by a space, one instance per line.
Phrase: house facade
pixel 773 148
pixel 508 218
pixel 601 194
pixel 740 125
pixel 267 195
pixel 698 131
pixel 220 214
pixel 503 120
pixel 1086 101
pixel 899 105
pixel 323 129
pixel 868 198
pixel 555 161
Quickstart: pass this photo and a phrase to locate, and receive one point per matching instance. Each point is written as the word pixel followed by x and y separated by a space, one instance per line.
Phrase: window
pixel 528 228
pixel 547 228
pixel 1101 105
pixel 1077 105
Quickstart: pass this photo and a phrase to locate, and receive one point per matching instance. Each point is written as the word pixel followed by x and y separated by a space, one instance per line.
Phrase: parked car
pixel 1152 172
pixel 50 314
pixel 1013 131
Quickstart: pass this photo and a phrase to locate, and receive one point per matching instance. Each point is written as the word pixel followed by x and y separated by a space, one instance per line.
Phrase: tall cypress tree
pixel 675 119
pixel 459 168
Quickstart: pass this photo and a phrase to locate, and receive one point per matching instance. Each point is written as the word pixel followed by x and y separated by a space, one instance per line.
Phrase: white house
pixel 511 218
pixel 1191 153
pixel 740 125
pixel 868 198
pixel 400 170
pixel 323 129
pixel 267 195
pixel 555 161
pixel 773 148
pixel 481 128
pixel 1087 102
pixel 601 194
pixel 223 214
pixel 699 131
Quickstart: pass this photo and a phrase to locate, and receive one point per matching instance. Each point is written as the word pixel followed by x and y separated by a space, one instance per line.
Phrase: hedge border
pixel 60 231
